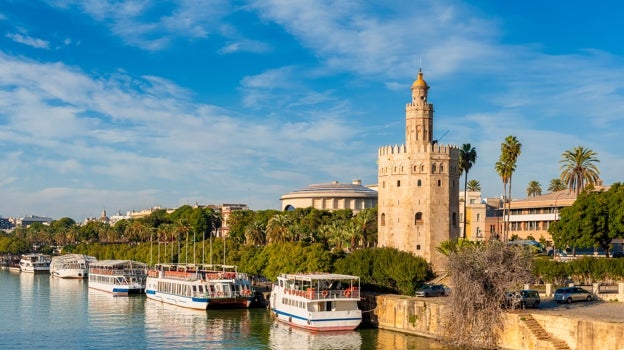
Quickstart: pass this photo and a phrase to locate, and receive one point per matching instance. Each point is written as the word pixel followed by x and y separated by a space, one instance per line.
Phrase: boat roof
pixel 116 263
pixel 318 276
pixel 72 257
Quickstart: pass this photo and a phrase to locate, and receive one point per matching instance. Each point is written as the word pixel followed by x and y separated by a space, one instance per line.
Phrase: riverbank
pixel 593 325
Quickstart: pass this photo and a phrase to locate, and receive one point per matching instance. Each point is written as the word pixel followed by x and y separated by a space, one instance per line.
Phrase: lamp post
pixel 556 218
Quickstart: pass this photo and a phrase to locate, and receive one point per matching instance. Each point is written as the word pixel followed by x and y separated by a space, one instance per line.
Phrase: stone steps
pixel 540 333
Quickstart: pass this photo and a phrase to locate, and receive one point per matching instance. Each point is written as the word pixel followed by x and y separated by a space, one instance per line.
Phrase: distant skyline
pixel 126 105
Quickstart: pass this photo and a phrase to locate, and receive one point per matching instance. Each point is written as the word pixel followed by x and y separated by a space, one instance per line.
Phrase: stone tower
pixel 418 185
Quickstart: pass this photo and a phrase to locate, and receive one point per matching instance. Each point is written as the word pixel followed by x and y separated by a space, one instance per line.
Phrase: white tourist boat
pixel 317 301
pixel 71 265
pixel 35 263
pixel 227 287
pixel 199 286
pixel 177 284
pixel 119 277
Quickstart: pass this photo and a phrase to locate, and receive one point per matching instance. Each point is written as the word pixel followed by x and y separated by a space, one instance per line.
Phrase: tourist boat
pixel 317 301
pixel 35 263
pixel 199 286
pixel 176 284
pixel 227 287
pixel 71 265
pixel 119 277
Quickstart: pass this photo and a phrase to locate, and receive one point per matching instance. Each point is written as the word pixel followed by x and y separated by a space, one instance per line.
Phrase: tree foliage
pixel 534 188
pixel 395 270
pixel 556 185
pixel 467 158
pixel 578 168
pixel 594 220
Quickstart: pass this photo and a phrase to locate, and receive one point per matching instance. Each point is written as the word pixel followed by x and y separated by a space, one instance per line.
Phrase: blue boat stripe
pixel 317 320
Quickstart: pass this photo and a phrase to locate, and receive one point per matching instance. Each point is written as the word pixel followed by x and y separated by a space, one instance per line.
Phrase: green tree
pixel 578 168
pixel 594 220
pixel 556 185
pixel 467 158
pixel 534 189
pixel 474 185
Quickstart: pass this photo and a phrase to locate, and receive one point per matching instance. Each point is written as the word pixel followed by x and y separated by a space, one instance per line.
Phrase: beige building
pixel 331 196
pixel 475 221
pixel 532 216
pixel 418 185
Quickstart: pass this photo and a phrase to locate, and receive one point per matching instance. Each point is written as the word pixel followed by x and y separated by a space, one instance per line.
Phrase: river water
pixel 41 312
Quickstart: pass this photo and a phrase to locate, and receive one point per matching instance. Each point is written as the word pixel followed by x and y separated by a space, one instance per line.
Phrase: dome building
pixel 331 196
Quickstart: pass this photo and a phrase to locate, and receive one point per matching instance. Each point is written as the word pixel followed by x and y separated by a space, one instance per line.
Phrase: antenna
pixel 441 137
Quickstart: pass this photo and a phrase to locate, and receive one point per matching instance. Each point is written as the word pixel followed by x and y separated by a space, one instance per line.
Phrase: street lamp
pixel 556 218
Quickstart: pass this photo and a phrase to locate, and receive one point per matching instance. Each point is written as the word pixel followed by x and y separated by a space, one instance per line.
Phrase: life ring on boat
pixel 324 294
pixel 346 293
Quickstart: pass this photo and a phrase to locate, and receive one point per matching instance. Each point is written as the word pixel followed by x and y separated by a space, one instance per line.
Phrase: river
pixel 42 312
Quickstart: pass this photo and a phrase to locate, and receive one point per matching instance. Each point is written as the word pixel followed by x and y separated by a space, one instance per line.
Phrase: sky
pixel 127 105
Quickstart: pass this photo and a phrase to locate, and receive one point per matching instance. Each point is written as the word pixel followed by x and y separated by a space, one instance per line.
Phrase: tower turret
pixel 419 115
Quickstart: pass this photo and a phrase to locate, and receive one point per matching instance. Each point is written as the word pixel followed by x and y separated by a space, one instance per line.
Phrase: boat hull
pixel 195 303
pixel 116 290
pixel 71 274
pixel 347 321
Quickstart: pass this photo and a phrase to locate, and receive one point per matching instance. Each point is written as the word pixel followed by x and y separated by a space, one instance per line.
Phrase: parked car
pixel 433 290
pixel 521 299
pixel 570 294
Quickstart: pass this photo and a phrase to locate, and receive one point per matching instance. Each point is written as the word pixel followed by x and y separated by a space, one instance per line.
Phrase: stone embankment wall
pixel 524 330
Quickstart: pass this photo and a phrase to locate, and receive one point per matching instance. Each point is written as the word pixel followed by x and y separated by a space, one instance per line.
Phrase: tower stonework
pixel 418 185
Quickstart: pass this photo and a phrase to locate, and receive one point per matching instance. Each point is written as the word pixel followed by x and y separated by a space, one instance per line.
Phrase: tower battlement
pixel 402 149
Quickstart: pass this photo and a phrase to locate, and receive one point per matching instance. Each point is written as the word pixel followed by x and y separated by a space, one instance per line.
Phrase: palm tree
pixel 474 185
pixel 578 168
pixel 510 151
pixel 467 157
pixel 277 228
pixel 365 221
pixel 556 185
pixel 254 234
pixel 534 189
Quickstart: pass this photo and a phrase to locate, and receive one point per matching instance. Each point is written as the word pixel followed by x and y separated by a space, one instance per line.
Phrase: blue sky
pixel 125 105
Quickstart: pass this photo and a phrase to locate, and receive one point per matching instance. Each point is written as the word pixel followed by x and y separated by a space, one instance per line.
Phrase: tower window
pixel 383 219
pixel 433 168
pixel 398 183
pixel 417 246
pixel 418 218
pixel 415 169
pixel 419 183
pixel 441 168
pixel 439 183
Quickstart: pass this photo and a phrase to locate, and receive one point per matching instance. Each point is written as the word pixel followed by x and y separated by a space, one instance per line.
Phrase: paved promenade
pixel 596 310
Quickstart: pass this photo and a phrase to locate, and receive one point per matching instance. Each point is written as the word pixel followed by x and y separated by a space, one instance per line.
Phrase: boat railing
pixel 231 294
pixel 313 294
pixel 220 275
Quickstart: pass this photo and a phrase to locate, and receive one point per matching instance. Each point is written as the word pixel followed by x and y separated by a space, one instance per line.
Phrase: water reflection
pixel 389 340
pixel 283 336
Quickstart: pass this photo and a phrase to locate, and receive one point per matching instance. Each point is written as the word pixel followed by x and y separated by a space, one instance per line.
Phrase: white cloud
pixel 131 132
pixel 153 25
pixel 28 40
